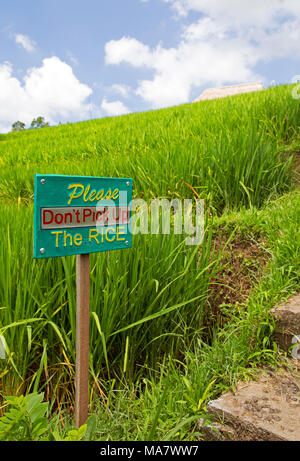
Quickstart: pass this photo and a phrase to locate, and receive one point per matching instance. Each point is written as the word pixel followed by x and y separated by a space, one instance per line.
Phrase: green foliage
pixel 25 419
pixel 143 302
pixel 231 150
pixel 18 126
pixel 85 432
pixel 151 326
pixel 168 403
pixel 39 122
pixel 74 435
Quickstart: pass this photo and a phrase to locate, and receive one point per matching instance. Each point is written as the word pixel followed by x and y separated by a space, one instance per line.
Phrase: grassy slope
pixel 167 404
pixel 229 152
pixel 226 149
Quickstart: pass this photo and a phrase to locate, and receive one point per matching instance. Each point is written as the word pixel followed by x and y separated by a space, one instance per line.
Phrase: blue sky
pixel 70 60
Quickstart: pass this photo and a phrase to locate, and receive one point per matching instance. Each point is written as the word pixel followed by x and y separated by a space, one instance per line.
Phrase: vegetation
pixel 161 345
pixel 26 421
pixel 227 150
pixel 38 122
pixel 18 126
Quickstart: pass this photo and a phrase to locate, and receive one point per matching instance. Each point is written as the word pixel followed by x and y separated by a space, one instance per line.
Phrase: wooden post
pixel 82 338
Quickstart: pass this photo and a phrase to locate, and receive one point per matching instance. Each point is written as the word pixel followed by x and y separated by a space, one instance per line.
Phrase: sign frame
pixel 55 191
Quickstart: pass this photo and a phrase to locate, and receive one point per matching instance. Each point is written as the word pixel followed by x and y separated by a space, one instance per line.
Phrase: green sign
pixel 80 214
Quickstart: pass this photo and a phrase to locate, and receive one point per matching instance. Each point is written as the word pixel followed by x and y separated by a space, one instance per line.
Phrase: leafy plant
pixel 84 432
pixel 25 419
pixel 74 435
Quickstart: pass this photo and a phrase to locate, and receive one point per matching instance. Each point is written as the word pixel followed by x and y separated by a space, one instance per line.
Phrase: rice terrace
pixel 173 327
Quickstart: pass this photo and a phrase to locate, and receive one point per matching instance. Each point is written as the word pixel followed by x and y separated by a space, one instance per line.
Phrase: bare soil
pixel 242 263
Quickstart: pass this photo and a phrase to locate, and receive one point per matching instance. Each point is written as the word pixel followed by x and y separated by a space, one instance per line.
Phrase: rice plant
pixel 149 301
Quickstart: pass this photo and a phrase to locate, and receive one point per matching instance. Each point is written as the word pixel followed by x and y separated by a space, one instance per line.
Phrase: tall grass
pixel 167 403
pixel 151 300
pixel 145 302
pixel 228 150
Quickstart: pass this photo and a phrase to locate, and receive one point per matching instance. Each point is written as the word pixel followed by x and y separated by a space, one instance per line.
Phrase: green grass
pixel 142 304
pixel 180 389
pixel 151 325
pixel 228 150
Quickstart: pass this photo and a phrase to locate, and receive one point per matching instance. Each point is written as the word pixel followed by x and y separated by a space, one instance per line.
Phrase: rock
pixel 216 431
pixel 222 92
pixel 264 410
pixel 287 317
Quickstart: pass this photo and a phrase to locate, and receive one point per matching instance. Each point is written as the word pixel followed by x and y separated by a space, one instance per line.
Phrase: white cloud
pixel 177 70
pixel 203 29
pixel 23 40
pixel 240 13
pixel 193 64
pixel 129 50
pixel 121 89
pixel 52 91
pixel 223 46
pixel 74 60
pixel 114 108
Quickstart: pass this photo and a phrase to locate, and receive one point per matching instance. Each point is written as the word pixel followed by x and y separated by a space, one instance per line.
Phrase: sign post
pixel 82 338
pixel 79 215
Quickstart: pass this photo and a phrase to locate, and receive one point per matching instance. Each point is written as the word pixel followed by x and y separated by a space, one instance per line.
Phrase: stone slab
pixel 264 410
pixel 287 317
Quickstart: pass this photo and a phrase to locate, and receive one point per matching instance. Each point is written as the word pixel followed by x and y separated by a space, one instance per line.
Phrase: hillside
pixel 227 150
pixel 171 326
